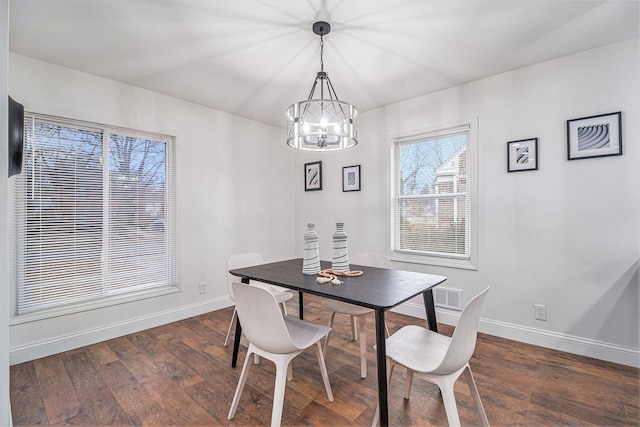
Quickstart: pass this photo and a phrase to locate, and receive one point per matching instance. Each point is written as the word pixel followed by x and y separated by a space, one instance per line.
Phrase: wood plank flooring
pixel 180 375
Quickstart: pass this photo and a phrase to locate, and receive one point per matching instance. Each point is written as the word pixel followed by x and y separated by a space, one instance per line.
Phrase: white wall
pixel 235 193
pixel 567 235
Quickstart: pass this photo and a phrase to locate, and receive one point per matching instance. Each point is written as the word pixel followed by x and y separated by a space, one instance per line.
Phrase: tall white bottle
pixel 340 261
pixel 311 260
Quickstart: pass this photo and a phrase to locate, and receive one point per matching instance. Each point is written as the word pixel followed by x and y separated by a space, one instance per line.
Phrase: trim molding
pixel 558 341
pixel 54 345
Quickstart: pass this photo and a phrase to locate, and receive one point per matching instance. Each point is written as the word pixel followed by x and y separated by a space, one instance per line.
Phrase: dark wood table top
pixel 377 288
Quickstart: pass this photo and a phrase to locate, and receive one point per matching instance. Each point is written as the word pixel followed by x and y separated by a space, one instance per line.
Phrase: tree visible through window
pixel 432 194
pixel 93 213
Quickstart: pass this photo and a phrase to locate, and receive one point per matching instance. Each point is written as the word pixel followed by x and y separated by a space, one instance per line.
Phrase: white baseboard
pixel 554 340
pixel 54 345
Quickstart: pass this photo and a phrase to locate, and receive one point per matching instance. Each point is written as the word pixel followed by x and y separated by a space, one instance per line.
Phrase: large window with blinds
pixel 433 197
pixel 94 214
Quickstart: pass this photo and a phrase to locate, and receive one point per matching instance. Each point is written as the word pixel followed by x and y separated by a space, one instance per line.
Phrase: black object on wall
pixel 16 136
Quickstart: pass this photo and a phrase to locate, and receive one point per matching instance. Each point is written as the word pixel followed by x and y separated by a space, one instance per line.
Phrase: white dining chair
pixel 357 315
pixel 277 338
pixel 438 358
pixel 248 259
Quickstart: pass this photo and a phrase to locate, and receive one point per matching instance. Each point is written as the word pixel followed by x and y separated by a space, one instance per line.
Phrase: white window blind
pixel 94 213
pixel 432 197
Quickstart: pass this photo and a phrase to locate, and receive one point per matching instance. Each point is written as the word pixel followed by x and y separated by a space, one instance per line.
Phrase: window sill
pixel 463 264
pixel 92 305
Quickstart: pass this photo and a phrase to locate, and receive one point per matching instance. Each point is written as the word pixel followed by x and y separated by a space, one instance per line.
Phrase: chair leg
pixel 449 399
pixel 476 396
pixel 362 336
pixel 326 339
pixel 290 371
pixel 407 384
pixel 241 382
pixel 284 308
pixel 376 417
pixel 234 316
pixel 354 328
pixel 278 393
pixel 323 371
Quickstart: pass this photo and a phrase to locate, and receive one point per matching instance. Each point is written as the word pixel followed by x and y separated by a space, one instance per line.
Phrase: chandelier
pixel 324 123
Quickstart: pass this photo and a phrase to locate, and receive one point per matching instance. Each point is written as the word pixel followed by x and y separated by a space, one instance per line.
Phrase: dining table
pixel 379 289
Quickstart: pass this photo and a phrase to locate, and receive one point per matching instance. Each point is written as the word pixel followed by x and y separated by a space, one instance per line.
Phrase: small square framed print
pixel 522 155
pixel 595 136
pixel 313 176
pixel 351 178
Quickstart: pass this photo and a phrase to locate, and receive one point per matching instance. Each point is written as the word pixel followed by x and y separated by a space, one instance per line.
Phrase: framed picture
pixel 522 155
pixel 313 176
pixel 595 136
pixel 351 178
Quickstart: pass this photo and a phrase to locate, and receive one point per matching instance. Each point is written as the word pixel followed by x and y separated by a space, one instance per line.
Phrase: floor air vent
pixel 448 298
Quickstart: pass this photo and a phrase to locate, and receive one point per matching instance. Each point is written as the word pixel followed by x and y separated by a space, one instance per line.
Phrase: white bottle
pixel 340 261
pixel 311 260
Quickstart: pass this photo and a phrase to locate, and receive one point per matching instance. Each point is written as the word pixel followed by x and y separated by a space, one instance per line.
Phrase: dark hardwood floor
pixel 179 374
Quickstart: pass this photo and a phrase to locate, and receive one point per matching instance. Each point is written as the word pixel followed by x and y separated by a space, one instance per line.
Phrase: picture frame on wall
pixel 594 136
pixel 351 178
pixel 313 176
pixel 522 155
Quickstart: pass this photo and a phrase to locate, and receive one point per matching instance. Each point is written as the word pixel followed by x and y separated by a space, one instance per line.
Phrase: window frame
pixel 472 172
pixel 171 283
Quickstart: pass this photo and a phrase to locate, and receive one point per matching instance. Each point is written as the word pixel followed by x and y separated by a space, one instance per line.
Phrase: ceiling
pixel 254 58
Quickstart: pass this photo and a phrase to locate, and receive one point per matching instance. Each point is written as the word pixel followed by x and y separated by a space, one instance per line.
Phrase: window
pixel 94 214
pixel 433 197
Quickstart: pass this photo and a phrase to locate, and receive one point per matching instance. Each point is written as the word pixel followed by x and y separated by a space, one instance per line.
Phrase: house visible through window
pixel 94 214
pixel 432 200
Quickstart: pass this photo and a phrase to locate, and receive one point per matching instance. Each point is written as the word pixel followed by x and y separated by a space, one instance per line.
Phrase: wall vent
pixel 448 298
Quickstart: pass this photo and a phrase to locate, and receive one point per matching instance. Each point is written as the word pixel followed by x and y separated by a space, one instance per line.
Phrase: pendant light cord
pixel 321 53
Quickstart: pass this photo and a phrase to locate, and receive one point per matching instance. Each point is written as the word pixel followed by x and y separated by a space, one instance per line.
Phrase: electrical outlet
pixel 540 312
pixel 203 287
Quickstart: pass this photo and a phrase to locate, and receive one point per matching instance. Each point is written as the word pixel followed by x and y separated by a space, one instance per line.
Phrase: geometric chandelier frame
pixel 324 123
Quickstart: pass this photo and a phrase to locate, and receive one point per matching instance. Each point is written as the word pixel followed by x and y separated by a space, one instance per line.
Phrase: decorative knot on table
pixel 330 275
